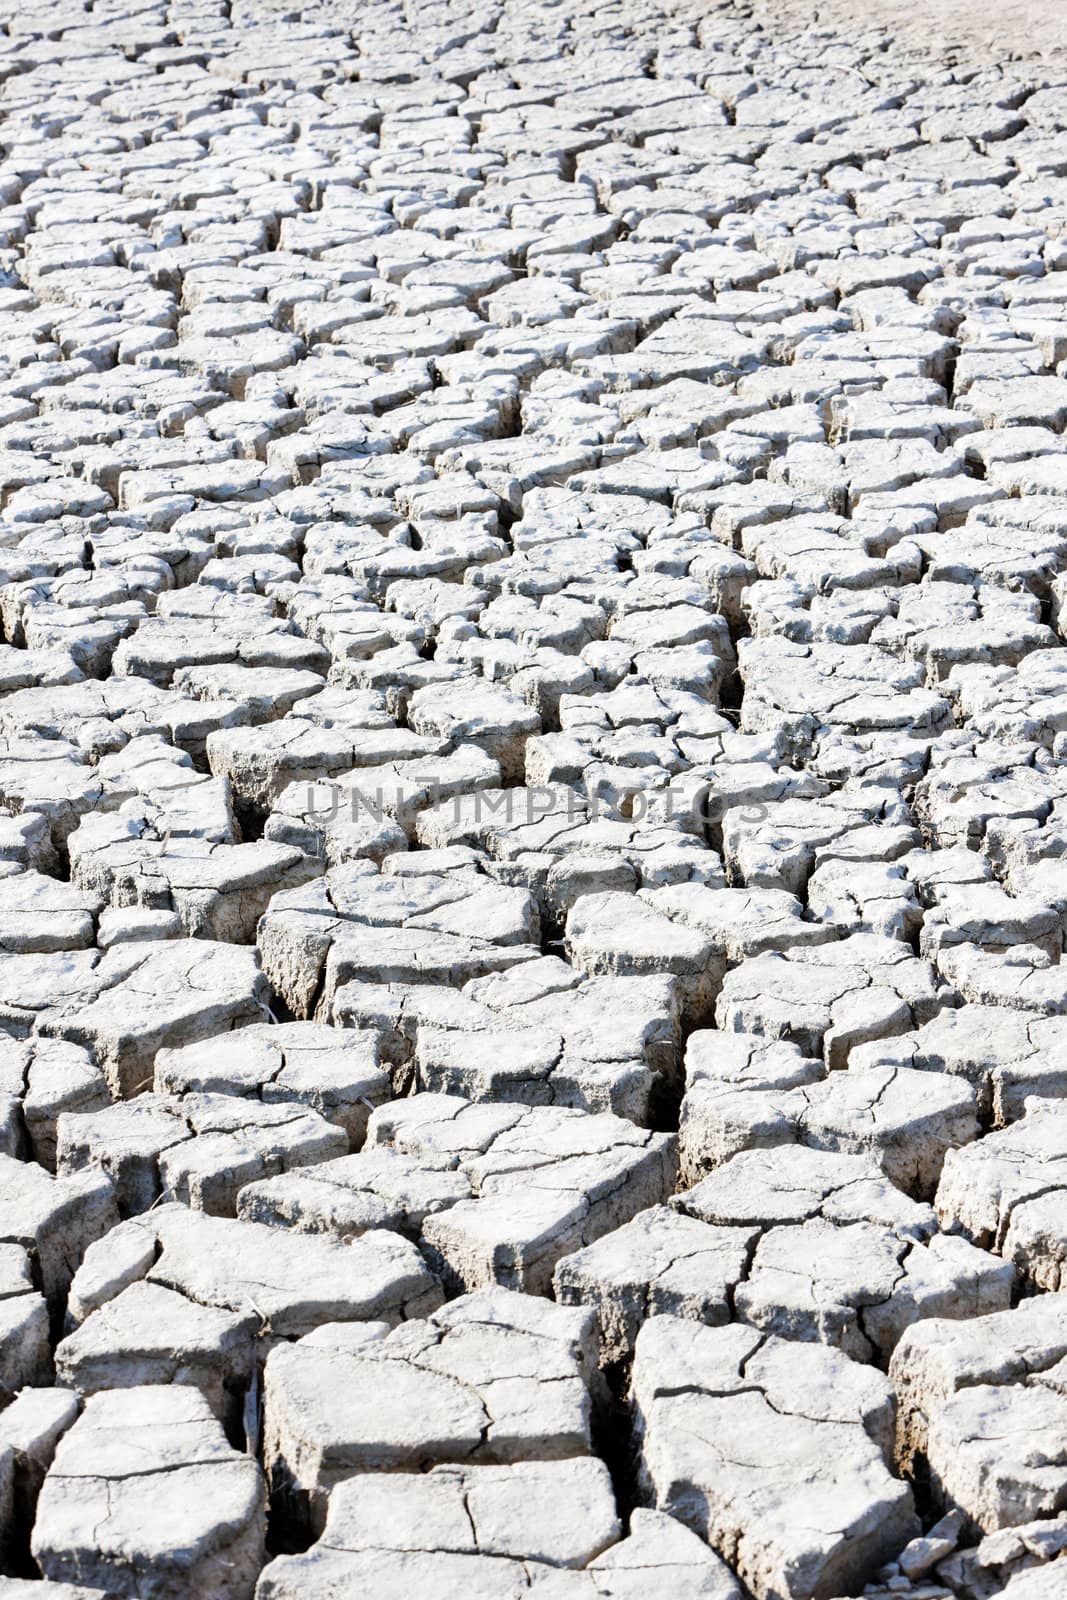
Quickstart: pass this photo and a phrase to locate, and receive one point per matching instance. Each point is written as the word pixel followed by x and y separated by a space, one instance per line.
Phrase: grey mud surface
pixel 533 800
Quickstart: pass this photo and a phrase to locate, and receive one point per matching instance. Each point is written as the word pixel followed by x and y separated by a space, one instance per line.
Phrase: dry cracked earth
pixel 533 800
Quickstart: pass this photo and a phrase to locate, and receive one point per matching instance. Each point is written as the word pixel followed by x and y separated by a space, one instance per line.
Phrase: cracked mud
pixel 533 800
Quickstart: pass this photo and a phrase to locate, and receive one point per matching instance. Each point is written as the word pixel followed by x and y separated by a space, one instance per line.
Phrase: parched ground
pixel 979 31
pixel 533 803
